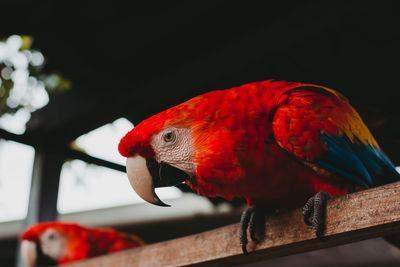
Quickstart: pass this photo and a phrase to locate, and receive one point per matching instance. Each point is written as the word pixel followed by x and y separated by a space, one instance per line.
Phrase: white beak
pixel 141 179
pixel 28 252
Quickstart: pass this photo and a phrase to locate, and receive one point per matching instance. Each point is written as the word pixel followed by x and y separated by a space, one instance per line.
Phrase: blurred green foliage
pixel 23 82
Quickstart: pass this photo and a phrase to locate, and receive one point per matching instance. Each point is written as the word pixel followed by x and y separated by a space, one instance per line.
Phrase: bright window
pixel 16 162
pixel 103 141
pixel 86 186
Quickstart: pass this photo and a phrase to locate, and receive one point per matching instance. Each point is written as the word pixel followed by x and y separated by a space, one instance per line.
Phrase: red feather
pixel 258 140
pixel 84 242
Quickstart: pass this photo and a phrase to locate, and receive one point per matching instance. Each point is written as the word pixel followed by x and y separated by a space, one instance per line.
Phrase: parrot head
pixel 43 245
pixel 159 152
pixel 203 141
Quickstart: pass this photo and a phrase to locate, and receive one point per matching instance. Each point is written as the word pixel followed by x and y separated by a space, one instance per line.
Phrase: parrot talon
pixel 308 209
pixel 251 219
pixel 253 223
pixel 244 249
pixel 244 224
pixel 316 206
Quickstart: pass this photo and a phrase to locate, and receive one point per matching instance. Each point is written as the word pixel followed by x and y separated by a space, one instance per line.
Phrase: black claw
pixel 253 219
pixel 308 209
pixel 244 223
pixel 244 249
pixel 253 226
pixel 316 205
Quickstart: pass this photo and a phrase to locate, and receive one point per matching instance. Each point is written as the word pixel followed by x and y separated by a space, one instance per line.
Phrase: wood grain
pixel 354 217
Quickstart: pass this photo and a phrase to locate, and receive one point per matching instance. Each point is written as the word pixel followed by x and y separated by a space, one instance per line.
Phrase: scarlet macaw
pixel 53 243
pixel 277 144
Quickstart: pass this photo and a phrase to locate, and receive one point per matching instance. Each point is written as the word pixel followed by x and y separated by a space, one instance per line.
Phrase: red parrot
pixel 53 243
pixel 277 144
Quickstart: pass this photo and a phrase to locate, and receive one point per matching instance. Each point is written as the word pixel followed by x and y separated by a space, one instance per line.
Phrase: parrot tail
pixel 379 166
pixel 362 163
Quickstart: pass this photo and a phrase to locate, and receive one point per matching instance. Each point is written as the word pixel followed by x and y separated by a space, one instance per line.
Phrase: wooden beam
pixel 66 152
pixel 362 215
pixel 15 137
pixel 75 154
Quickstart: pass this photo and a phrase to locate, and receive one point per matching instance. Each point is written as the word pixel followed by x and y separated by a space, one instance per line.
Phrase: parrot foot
pixel 316 205
pixel 251 218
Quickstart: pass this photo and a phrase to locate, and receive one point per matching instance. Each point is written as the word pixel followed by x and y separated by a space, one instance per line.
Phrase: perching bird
pixel 53 243
pixel 278 144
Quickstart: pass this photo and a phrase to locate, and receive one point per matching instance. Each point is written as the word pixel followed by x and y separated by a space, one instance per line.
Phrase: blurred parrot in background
pixel 277 144
pixel 54 243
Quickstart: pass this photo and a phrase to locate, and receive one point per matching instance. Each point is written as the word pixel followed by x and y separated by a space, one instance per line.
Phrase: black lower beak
pixel 44 260
pixel 146 174
pixel 165 175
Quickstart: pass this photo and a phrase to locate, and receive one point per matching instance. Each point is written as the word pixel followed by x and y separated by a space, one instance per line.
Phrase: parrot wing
pixel 319 126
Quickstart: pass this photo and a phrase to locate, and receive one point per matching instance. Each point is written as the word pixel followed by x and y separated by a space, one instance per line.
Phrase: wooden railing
pixel 362 215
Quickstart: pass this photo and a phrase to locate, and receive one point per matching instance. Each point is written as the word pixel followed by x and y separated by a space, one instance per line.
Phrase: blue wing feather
pixel 361 163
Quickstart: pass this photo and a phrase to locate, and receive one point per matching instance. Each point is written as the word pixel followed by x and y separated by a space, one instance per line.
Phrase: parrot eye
pixel 169 137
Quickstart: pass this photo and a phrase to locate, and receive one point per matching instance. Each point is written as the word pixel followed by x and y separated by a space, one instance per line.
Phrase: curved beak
pixel 141 180
pixel 28 252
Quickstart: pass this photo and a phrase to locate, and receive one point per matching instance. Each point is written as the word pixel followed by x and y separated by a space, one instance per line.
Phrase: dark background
pixel 134 59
